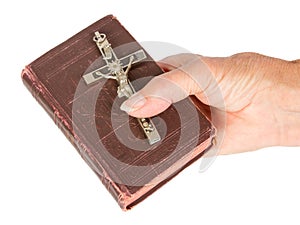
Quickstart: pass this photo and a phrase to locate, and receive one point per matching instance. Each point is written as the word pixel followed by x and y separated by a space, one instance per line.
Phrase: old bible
pixel 81 84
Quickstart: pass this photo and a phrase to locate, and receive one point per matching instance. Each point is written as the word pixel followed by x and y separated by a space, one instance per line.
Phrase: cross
pixel 114 69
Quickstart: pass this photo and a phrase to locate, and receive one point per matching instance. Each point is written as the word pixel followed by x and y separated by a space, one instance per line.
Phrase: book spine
pixel 42 96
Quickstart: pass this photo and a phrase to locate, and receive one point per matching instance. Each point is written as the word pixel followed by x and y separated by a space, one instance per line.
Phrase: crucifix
pixel 114 69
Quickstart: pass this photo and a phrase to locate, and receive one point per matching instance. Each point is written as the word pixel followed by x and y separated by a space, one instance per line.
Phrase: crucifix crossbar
pixel 115 69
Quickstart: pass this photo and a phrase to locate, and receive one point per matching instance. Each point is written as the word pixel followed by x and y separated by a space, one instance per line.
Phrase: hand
pixel 257 93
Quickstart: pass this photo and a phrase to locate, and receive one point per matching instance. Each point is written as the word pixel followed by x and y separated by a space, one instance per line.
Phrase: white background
pixel 44 180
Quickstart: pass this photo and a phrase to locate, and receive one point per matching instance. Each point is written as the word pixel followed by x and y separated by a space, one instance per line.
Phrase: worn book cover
pixel 113 144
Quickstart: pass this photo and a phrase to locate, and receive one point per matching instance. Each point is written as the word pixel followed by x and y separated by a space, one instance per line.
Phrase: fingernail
pixel 135 102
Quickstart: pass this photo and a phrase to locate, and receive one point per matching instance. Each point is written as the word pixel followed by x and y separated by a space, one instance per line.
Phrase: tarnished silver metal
pixel 114 69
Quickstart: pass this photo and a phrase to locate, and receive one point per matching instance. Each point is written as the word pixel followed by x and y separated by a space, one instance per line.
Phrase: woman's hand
pixel 259 95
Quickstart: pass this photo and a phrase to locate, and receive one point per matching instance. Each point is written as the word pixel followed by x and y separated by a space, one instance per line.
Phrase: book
pixel 112 143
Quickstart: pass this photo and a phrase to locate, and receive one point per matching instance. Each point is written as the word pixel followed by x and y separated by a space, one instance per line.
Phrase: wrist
pixel 288 110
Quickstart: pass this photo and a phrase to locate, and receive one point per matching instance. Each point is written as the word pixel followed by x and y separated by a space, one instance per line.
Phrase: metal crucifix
pixel 114 69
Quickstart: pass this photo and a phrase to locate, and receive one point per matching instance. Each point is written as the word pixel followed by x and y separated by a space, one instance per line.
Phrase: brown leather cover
pixel 111 143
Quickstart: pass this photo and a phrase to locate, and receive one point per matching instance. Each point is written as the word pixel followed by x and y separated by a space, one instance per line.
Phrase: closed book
pixel 112 143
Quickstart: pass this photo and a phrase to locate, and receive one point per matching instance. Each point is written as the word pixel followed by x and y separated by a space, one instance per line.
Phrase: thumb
pixel 168 88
